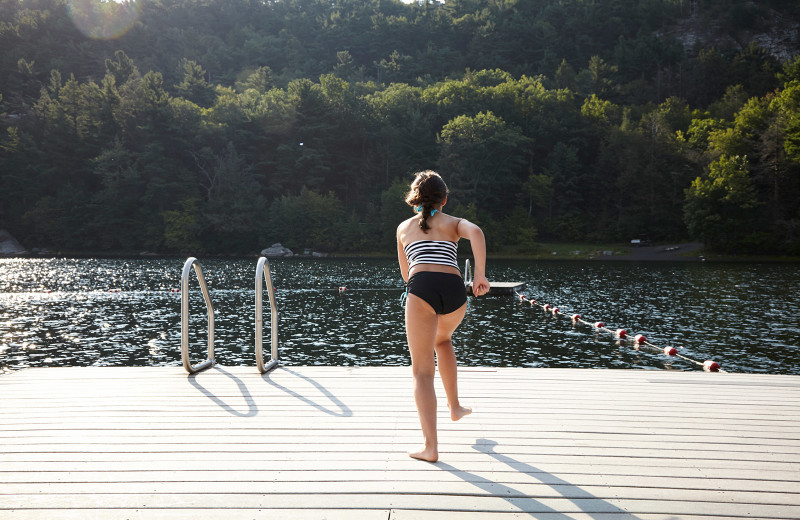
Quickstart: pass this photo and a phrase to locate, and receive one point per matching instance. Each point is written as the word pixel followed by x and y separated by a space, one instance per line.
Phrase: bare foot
pixel 428 454
pixel 459 412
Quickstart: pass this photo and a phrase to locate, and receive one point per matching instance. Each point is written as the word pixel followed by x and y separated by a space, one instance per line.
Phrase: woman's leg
pixel 421 324
pixel 446 360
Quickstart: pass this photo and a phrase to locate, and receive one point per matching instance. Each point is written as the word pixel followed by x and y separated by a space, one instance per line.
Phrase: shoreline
pixel 668 252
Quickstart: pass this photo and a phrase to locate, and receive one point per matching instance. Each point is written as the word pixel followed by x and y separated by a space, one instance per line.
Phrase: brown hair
pixel 427 190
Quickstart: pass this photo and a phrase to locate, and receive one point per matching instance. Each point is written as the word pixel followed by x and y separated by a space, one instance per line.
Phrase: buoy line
pixel 110 290
pixel 343 289
pixel 639 341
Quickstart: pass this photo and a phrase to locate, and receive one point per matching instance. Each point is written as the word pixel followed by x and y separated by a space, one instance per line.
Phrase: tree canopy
pixel 224 125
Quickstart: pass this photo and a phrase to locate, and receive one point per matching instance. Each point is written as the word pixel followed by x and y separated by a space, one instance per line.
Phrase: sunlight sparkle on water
pixel 60 312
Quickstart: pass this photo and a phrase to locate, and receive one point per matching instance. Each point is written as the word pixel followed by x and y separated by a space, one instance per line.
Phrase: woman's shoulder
pixel 449 227
pixel 454 221
pixel 405 228
pixel 406 224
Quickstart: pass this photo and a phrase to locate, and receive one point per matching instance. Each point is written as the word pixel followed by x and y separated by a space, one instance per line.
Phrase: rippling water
pixel 81 312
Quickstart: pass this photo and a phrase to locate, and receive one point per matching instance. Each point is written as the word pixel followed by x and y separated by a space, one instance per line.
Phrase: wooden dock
pixel 330 442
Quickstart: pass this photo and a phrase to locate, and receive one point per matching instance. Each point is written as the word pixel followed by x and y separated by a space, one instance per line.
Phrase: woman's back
pixel 441 227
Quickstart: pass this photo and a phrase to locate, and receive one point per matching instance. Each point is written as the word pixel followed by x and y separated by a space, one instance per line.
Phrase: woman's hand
pixel 480 285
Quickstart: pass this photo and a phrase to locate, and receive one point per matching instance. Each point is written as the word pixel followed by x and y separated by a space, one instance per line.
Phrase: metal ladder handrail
pixel 467 274
pixel 209 362
pixel 262 271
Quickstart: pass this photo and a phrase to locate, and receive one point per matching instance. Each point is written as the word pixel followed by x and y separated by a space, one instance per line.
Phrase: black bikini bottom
pixel 445 292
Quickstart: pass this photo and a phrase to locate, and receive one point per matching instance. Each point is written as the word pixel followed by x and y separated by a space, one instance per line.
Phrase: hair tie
pixel 420 208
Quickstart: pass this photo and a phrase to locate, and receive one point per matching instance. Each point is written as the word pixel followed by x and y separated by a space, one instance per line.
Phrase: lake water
pixel 84 312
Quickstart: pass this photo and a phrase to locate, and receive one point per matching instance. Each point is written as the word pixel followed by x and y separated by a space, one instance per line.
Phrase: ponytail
pixel 426 212
pixel 427 190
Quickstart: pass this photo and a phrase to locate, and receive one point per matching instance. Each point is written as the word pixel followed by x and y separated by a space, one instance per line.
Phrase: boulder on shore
pixel 9 245
pixel 276 251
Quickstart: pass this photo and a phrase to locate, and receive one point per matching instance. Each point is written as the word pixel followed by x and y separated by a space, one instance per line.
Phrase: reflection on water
pixel 80 312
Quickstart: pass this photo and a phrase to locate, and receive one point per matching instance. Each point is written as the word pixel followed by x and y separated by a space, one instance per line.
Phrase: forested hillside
pixel 211 126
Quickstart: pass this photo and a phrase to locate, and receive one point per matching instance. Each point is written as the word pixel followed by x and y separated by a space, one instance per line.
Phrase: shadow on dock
pixel 344 410
pixel 252 411
pixel 252 408
pixel 600 509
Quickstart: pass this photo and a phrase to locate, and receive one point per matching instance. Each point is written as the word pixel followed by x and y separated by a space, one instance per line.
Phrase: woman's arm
pixel 468 230
pixel 401 258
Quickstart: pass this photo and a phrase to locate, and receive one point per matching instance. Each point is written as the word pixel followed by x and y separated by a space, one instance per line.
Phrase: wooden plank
pixel 361 462
pixel 526 408
pixel 316 514
pixel 328 441
pixel 304 462
pixel 495 503
pixel 189 513
pixel 404 514
pixel 482 428
pixel 476 487
pixel 240 480
pixel 710 453
pixel 367 435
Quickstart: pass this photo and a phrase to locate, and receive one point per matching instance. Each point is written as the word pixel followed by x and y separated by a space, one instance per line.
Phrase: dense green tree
pixel 120 200
pixel 234 208
pixel 520 230
pixel 484 158
pixel 307 220
pixel 194 86
pixel 394 209
pixel 720 208
pixel 183 228
pixel 259 80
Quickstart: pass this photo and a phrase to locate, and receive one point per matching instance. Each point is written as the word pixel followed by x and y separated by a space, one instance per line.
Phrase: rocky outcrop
pixel 778 34
pixel 276 251
pixel 9 245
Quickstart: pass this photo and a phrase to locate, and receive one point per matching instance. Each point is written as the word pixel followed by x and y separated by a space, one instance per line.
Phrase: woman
pixel 436 299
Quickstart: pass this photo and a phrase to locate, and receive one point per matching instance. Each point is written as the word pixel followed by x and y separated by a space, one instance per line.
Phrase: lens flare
pixel 104 19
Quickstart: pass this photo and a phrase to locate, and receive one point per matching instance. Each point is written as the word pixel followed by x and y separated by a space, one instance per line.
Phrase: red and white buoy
pixel 711 366
pixel 639 339
pixel 547 306
pixel 576 317
pixel 342 289
pixel 621 333
pixel 599 324
pixel 555 311
pixel 522 297
pixel 174 290
pixel 534 302
pixel 670 351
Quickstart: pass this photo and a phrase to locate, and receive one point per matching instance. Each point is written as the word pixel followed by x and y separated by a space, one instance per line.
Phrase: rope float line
pixel 50 291
pixel 344 289
pixel 341 289
pixel 639 341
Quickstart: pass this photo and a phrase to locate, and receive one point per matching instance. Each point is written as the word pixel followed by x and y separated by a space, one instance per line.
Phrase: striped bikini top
pixel 442 252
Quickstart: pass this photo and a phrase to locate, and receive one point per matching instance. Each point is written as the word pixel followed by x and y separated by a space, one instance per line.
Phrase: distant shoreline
pixel 690 251
pixel 675 252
